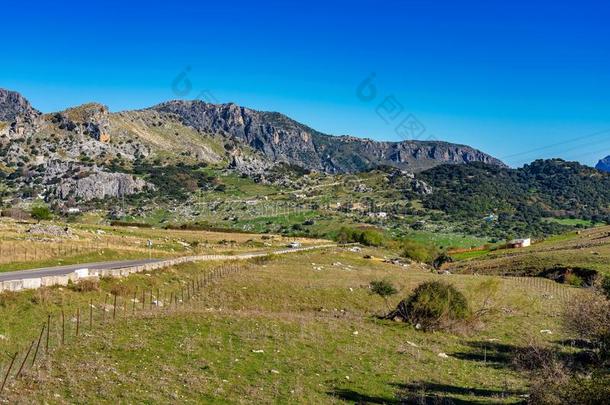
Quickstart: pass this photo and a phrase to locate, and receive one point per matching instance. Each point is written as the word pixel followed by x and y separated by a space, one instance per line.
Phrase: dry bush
pixel 41 296
pixel 535 358
pixel 119 289
pixel 260 260
pixel 558 387
pixel 555 382
pixel 86 285
pixel 588 317
pixel 7 298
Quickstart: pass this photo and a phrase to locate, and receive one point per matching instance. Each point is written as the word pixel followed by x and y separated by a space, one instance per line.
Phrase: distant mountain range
pixel 282 139
pixel 175 151
pixel 604 165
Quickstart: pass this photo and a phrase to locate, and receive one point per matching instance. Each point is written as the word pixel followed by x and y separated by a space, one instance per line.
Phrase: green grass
pixel 313 318
pixel 447 239
pixel 588 249
pixel 570 221
pixel 469 255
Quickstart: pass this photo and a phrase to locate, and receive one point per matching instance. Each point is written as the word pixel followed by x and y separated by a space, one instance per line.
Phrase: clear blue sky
pixel 518 79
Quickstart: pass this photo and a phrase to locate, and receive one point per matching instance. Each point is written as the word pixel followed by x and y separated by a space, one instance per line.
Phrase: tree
pixel 41 213
pixel 384 289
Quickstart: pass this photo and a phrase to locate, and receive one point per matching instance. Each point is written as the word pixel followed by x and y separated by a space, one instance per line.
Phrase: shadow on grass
pixel 492 354
pixel 360 398
pixel 432 393
pixel 424 393
pixel 500 355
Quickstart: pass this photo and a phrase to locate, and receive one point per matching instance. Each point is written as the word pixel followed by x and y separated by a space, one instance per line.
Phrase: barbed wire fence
pixel 68 325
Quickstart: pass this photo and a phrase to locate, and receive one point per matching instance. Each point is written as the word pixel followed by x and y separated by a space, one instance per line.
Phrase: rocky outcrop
pixel 284 140
pixel 71 180
pixel 17 117
pixel 13 105
pixel 604 165
pixel 89 119
pixel 101 185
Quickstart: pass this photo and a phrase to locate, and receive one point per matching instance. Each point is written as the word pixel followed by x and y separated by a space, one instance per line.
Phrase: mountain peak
pixel 604 164
pixel 13 105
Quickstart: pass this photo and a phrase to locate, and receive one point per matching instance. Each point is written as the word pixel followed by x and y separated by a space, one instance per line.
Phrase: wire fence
pixel 67 326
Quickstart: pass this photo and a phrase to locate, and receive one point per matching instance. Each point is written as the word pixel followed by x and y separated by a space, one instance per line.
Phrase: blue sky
pixel 518 80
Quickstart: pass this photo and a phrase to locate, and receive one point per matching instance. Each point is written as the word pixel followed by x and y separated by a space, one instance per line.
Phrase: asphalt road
pixel 63 270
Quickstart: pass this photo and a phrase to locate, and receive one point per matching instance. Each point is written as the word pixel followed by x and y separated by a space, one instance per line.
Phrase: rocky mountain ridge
pixel 88 153
pixel 283 139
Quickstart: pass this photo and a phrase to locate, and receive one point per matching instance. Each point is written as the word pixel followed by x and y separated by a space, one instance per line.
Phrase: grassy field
pixel 295 329
pixel 584 250
pixel 20 249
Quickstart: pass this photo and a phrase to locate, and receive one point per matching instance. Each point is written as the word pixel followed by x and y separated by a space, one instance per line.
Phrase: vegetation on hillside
pixel 519 199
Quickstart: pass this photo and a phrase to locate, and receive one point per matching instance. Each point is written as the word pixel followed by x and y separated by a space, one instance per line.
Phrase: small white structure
pixel 380 215
pixel 294 245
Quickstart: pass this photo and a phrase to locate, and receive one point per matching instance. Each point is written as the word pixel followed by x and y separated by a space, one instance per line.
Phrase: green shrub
pixel 371 237
pixel 368 237
pixel 433 305
pixel 41 213
pixel 418 251
pixel 573 279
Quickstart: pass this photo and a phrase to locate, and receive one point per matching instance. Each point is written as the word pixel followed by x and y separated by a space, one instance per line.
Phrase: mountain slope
pixel 283 139
pixel 520 199
pixel 68 154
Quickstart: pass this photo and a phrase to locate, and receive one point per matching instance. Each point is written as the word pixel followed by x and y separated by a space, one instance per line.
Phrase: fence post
pixel 25 359
pixel 38 344
pixel 133 307
pixel 48 331
pixel 63 327
pixel 10 367
pixel 114 308
pixel 77 321
pixel 104 308
pixel 91 314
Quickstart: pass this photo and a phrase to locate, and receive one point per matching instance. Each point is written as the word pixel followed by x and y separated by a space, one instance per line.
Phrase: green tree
pixel 384 289
pixel 41 213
